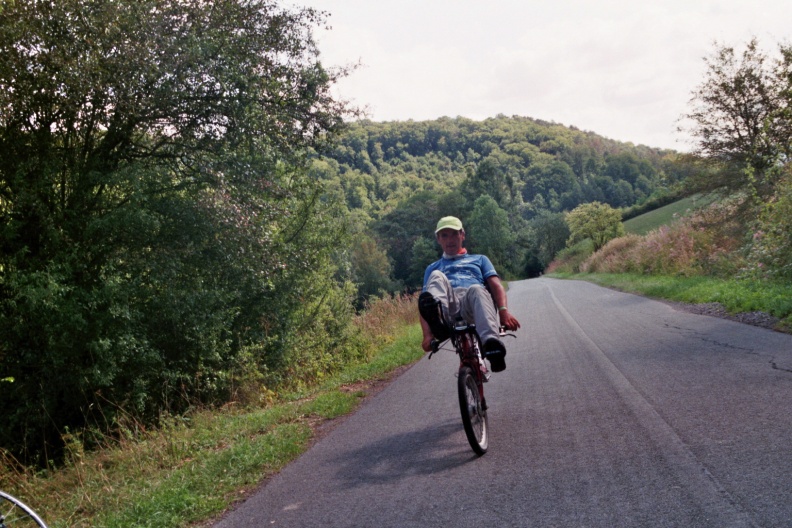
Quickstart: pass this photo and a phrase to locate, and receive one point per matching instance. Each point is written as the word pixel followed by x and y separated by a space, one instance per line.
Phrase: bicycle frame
pixel 471 377
pixel 468 346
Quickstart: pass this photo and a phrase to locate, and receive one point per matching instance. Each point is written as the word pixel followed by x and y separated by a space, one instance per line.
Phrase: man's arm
pixel 507 320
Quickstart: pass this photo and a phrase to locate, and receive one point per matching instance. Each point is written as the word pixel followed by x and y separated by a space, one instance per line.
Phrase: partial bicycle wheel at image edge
pixel 474 416
pixel 16 514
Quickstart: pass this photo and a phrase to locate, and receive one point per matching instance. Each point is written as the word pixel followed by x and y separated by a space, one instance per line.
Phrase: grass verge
pixel 195 467
pixel 736 296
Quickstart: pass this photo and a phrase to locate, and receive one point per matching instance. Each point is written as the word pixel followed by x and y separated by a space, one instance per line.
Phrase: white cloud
pixel 621 69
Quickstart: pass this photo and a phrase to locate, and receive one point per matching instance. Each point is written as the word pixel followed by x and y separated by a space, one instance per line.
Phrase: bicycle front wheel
pixel 474 416
pixel 16 514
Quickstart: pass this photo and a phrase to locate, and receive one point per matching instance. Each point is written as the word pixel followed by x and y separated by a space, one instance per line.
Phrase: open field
pixel 640 225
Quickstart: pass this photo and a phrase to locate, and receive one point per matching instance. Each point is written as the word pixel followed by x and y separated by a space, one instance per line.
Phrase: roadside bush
pixel 770 252
pixel 569 260
pixel 323 339
pixel 595 221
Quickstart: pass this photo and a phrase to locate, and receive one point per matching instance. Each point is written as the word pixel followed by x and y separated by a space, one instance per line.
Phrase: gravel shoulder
pixel 714 309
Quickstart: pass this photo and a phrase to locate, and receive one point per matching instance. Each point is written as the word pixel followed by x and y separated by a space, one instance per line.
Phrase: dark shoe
pixel 432 312
pixel 495 352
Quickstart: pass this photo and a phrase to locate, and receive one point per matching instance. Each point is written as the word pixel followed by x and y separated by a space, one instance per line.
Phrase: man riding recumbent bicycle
pixel 464 300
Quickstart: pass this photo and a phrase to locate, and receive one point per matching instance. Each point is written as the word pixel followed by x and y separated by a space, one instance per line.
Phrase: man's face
pixel 450 240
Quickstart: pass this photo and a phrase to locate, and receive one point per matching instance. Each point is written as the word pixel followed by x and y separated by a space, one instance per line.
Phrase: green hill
pixel 640 225
pixel 397 178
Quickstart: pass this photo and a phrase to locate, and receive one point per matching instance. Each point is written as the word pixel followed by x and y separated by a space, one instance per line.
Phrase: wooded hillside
pixel 508 178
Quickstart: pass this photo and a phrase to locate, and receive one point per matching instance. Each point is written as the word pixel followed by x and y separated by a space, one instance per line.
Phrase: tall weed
pixel 383 316
pixel 614 257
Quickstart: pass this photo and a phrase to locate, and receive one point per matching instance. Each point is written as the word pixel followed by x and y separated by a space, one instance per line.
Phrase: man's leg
pixel 438 304
pixel 477 306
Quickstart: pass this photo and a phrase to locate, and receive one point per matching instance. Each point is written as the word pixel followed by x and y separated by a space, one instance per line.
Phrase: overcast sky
pixel 624 69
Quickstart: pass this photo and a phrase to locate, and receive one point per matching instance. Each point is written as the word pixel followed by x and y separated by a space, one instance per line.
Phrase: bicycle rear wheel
pixel 474 416
pixel 16 514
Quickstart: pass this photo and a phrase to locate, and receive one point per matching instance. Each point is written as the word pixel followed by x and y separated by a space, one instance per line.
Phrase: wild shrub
pixel 322 341
pixel 770 253
pixel 595 221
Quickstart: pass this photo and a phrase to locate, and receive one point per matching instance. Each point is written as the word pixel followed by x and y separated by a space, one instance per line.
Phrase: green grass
pixel 736 296
pixel 204 484
pixel 194 467
pixel 240 449
pixel 640 225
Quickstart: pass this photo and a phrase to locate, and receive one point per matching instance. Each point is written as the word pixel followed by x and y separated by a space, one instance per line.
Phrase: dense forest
pixel 510 179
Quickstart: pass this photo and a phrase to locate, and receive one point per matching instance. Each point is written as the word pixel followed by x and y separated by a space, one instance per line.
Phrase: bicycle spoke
pixel 474 418
pixel 16 514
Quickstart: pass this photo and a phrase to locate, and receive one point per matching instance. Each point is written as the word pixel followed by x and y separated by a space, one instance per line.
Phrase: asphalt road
pixel 614 410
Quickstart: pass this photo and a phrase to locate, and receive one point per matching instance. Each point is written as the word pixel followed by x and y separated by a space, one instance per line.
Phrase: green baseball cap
pixel 449 222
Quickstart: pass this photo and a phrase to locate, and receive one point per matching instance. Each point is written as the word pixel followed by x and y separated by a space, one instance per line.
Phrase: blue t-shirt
pixel 463 271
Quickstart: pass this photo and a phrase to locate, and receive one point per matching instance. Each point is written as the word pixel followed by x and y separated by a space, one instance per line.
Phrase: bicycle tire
pixel 16 514
pixel 474 416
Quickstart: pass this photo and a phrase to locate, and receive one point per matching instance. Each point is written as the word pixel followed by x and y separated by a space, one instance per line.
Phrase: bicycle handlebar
pixel 434 344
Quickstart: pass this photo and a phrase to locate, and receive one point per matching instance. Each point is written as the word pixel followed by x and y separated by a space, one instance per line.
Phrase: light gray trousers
pixel 473 304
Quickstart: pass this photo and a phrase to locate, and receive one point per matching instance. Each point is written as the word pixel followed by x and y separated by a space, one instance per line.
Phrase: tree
pixel 496 176
pixel 741 118
pixel 596 221
pixel 550 235
pixel 424 251
pixel 412 219
pixel 371 269
pixel 156 220
pixel 770 252
pixel 488 232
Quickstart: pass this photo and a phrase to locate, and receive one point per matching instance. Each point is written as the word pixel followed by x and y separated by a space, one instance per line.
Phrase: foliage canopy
pixel 741 116
pixel 596 221
pixel 160 240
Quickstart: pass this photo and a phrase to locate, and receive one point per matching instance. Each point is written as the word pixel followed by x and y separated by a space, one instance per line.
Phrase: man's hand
pixel 508 321
pixel 426 344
